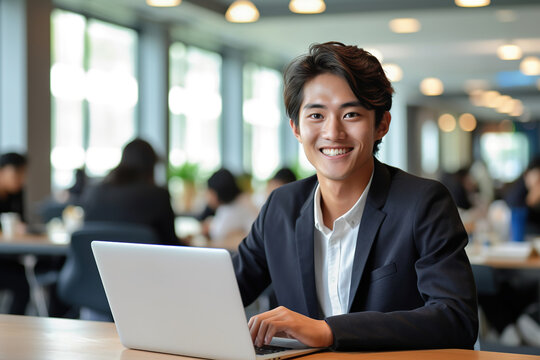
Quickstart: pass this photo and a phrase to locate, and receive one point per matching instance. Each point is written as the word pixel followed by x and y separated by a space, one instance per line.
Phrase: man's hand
pixel 286 323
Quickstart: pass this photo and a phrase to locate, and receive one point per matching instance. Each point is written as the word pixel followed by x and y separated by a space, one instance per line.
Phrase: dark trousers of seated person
pixel 514 295
pixel 12 278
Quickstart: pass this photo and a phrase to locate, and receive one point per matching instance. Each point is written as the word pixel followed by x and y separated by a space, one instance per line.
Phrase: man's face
pixel 336 131
pixel 13 178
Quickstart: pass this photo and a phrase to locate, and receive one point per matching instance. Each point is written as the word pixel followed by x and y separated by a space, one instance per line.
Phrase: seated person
pixel 525 192
pixel 129 194
pixel 233 211
pixel 281 177
pixel 362 255
pixel 12 276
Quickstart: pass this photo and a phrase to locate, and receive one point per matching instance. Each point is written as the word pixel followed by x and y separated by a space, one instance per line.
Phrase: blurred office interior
pixel 81 78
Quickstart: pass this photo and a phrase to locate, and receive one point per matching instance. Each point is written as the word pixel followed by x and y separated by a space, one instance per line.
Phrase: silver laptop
pixel 180 300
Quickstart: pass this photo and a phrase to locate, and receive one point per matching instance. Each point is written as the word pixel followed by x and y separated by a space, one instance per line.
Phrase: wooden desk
pixel 25 337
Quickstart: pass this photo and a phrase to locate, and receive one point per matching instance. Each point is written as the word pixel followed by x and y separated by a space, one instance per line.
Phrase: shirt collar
pixel 351 217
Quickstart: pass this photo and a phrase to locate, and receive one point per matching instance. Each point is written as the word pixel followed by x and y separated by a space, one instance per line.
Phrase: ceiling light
pixel 489 98
pixel 404 25
pixel 518 108
pixel 505 104
pixel 163 3
pixel 307 6
pixel 472 3
pixel 393 72
pixel 509 52
pixel 447 123
pixel 530 66
pixel 242 11
pixel 467 122
pixel 431 87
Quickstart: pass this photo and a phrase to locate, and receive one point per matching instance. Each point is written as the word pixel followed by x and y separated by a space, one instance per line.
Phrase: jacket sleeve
pixel 448 318
pixel 250 263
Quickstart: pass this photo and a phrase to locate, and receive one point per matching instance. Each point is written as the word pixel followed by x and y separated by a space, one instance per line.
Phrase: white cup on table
pixel 10 222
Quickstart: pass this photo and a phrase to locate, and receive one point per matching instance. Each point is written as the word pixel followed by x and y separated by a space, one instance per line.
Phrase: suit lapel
pixel 369 225
pixel 305 249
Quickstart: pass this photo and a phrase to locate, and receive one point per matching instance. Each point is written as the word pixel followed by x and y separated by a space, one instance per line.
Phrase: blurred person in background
pixel 525 193
pixel 12 276
pixel 12 180
pixel 464 190
pixel 234 211
pixel 281 177
pixel 129 194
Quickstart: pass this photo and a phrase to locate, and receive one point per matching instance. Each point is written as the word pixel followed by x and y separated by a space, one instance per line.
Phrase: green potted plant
pixel 188 173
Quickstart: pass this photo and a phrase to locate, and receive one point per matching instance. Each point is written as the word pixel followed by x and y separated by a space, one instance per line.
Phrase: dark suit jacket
pixel 139 203
pixel 412 285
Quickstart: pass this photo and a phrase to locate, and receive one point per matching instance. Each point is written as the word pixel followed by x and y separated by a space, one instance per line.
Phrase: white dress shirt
pixel 334 255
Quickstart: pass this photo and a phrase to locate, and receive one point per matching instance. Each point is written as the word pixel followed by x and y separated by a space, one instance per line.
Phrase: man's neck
pixel 338 197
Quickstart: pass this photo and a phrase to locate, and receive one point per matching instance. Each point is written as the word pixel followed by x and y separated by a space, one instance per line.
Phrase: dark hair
pixel 534 163
pixel 224 184
pixel 136 165
pixel 13 159
pixel 362 71
pixel 284 175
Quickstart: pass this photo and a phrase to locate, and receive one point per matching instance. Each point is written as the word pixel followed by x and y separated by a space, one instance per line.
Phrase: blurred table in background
pixel 32 244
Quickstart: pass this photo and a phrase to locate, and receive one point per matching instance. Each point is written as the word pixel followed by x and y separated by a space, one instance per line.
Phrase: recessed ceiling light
pixel 404 25
pixel 518 108
pixel 509 52
pixel 393 72
pixel 242 11
pixel 163 3
pixel 506 104
pixel 530 66
pixel 472 3
pixel 467 122
pixel 431 87
pixel 447 123
pixel 489 97
pixel 307 6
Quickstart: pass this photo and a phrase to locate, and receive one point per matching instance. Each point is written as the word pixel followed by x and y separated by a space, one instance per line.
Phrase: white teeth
pixel 334 152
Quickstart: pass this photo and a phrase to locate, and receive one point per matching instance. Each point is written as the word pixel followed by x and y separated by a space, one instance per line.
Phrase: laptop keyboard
pixel 269 349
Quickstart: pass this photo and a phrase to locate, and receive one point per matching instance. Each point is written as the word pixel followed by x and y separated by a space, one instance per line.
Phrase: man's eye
pixel 315 116
pixel 351 115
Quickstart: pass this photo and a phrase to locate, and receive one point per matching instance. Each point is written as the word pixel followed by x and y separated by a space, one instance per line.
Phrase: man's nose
pixel 333 128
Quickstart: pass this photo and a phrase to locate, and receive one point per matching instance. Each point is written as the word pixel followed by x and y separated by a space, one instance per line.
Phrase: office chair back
pixel 79 283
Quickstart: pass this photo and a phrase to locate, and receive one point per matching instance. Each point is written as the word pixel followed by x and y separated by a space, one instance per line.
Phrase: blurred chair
pixel 79 283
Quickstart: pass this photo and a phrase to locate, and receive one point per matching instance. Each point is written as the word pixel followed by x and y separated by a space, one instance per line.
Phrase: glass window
pixel 94 94
pixel 195 107
pixel 506 154
pixel 112 94
pixel 430 147
pixel 262 116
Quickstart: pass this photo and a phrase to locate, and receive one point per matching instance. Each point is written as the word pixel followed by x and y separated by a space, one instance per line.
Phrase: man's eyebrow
pixel 351 104
pixel 314 106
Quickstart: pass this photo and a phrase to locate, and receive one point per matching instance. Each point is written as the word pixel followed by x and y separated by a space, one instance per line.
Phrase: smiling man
pixel 362 255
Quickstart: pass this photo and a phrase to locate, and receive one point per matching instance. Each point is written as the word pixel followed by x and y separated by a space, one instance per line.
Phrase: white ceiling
pixel 454 44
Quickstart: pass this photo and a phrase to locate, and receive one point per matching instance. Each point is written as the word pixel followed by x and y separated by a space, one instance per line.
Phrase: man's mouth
pixel 336 151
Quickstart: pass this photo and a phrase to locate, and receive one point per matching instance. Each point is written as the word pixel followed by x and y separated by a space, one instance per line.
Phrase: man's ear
pixel 295 130
pixel 384 126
